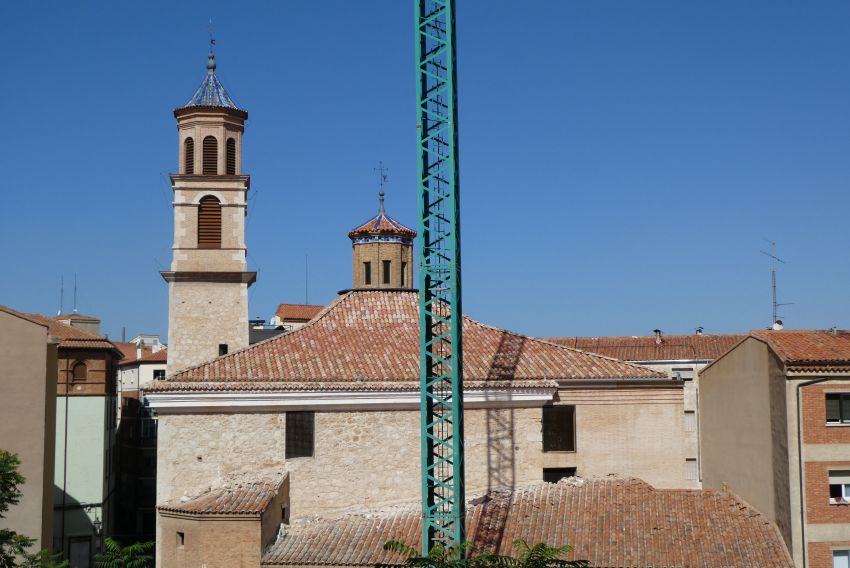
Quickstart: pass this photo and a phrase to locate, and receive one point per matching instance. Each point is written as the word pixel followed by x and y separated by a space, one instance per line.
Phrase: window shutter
pixel 300 428
pixel 231 157
pixel 839 477
pixel 80 372
pixel 833 408
pixel 210 160
pixel 559 429
pixel 189 156
pixel 209 223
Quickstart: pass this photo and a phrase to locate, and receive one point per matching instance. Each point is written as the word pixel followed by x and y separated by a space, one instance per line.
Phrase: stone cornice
pixel 341 401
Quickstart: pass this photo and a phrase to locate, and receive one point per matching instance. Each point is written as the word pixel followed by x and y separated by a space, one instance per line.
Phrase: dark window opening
pixel 189 156
pixel 159 374
pixel 80 372
pixel 367 273
pixel 683 373
pixel 209 223
pixel 300 427
pixel 209 162
pixel 556 474
pixel 222 349
pixel 838 408
pixel 559 433
pixel 231 157
pixel 403 274
pixel 284 515
pixel 387 271
pixel 181 539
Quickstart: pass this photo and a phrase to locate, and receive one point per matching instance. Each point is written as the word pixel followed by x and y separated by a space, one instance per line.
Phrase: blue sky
pixel 621 162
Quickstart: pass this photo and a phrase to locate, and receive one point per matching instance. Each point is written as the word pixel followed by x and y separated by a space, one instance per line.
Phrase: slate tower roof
pixel 211 93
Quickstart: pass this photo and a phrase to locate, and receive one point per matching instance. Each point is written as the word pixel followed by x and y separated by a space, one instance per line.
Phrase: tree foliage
pixel 114 555
pixel 43 559
pixel 539 555
pixel 12 544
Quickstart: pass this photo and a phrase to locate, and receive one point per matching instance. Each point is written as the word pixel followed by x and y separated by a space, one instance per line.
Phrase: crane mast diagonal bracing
pixel 441 315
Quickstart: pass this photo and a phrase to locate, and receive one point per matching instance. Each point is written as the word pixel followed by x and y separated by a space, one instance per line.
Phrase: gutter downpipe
pixel 800 463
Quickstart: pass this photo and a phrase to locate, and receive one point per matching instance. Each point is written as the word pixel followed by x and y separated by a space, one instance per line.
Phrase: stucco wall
pixel 27 422
pixel 735 426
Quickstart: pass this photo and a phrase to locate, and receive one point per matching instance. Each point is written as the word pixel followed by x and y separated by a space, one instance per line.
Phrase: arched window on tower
pixel 80 372
pixel 189 156
pixel 209 223
pixel 210 159
pixel 231 157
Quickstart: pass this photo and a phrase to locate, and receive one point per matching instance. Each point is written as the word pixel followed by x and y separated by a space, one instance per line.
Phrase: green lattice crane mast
pixel 441 333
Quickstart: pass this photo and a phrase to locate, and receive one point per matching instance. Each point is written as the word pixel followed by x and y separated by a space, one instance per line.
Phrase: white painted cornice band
pixel 188 403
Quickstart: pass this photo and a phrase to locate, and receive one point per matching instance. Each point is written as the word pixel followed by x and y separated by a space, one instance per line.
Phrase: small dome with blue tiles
pixel 211 93
pixel 382 228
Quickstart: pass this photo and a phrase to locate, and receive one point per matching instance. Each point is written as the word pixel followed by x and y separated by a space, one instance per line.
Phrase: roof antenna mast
pixel 75 292
pixel 383 177
pixel 61 295
pixel 776 323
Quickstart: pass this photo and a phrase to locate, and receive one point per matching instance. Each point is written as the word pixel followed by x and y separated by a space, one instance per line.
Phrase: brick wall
pixel 820 553
pixel 376 253
pixel 818 507
pixel 815 429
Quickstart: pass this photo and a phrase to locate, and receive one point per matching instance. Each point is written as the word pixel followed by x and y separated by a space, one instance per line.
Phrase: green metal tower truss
pixel 441 331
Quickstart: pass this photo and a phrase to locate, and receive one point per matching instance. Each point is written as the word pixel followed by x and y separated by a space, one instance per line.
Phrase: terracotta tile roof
pixel 645 348
pixel 381 225
pixel 298 312
pixel 148 355
pixel 245 499
pixel 373 336
pixel 623 523
pixel 809 349
pixel 160 356
pixel 73 337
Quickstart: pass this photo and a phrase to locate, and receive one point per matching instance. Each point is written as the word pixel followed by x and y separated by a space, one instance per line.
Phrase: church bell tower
pixel 208 281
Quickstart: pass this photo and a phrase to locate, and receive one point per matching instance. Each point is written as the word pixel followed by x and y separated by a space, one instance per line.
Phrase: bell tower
pixel 382 252
pixel 208 281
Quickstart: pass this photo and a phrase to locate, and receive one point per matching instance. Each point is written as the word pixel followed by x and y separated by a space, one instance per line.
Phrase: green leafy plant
pixel 43 559
pixel 12 544
pixel 539 555
pixel 438 557
pixel 114 555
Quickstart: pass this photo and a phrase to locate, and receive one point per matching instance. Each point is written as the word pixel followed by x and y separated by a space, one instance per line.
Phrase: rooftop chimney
pixel 699 330
pixel 658 336
pixel 777 325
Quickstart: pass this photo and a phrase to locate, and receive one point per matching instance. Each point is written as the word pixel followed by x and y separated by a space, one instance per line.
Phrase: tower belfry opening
pixel 208 281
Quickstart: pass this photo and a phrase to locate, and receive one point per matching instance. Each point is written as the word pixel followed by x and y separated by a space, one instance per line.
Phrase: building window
pixel 159 374
pixel 80 372
pixel 838 408
pixel 683 373
pixel 691 469
pixel 231 157
pixel 690 421
pixel 841 559
pixel 559 429
pixel 181 539
pixel 189 156
pixel 300 427
pixel 367 273
pixel 209 223
pixel 403 274
pixel 839 486
pixel 209 162
pixel 555 474
pixel 222 349
pixel 387 271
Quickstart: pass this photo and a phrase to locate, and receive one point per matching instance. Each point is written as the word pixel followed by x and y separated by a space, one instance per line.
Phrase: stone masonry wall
pixel 202 315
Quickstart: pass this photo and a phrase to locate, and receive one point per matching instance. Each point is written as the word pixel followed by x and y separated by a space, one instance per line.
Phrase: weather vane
pixel 212 34
pixel 382 174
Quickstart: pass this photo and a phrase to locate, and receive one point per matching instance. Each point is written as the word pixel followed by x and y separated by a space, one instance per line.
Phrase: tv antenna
pixel 61 295
pixel 773 260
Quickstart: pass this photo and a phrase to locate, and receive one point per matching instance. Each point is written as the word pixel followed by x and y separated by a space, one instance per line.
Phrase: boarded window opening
pixel 300 427
pixel 231 157
pixel 80 372
pixel 209 223
pixel 210 160
pixel 189 156
pixel 559 432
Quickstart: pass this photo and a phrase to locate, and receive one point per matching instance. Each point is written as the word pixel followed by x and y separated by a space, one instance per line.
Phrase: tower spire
pixel 211 54
pixel 381 202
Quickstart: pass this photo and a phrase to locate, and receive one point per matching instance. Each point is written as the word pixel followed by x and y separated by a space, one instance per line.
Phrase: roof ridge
pixel 23 316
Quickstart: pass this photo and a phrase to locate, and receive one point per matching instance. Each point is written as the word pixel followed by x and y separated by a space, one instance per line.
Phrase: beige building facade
pixel 208 281
pixel 773 431
pixel 28 425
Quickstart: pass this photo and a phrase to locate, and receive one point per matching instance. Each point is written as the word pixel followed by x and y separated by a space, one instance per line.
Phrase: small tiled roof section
pixel 609 522
pixel 149 356
pixel 809 349
pixel 298 312
pixel 372 336
pixel 381 225
pixel 72 337
pixel 704 347
pixel 245 499
pixel 211 93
